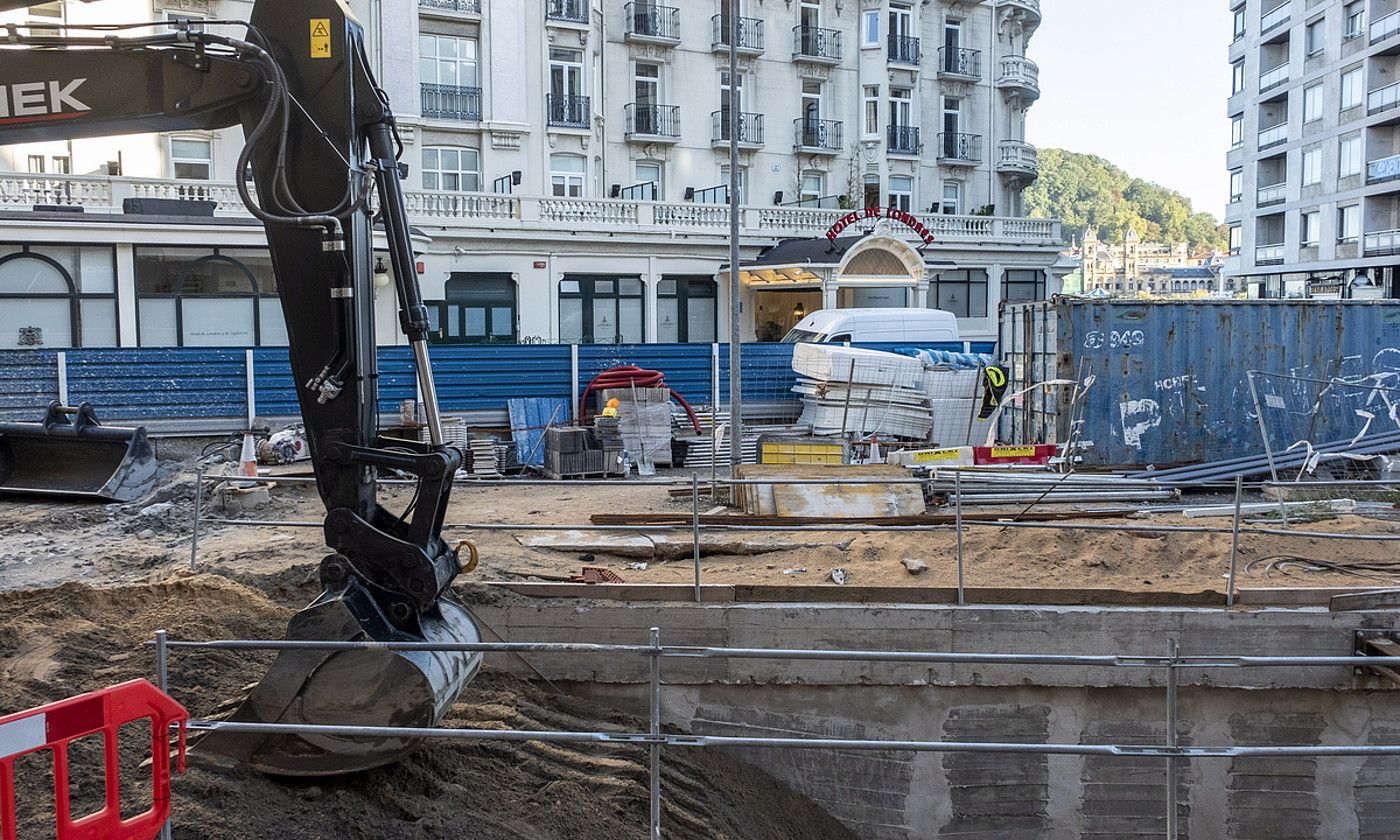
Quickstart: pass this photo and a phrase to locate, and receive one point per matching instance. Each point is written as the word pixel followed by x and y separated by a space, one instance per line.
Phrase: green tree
pixel 1087 192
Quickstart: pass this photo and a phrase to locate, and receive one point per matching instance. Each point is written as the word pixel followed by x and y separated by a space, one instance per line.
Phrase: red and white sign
pixel 904 218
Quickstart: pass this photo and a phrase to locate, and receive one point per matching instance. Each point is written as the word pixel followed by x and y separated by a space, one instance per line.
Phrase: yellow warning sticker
pixel 933 455
pixel 1013 452
pixel 320 37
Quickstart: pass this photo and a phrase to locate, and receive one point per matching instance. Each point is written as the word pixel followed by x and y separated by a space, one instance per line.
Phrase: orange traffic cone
pixel 248 460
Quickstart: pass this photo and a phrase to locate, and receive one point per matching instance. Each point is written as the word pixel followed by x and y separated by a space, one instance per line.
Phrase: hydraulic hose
pixel 628 376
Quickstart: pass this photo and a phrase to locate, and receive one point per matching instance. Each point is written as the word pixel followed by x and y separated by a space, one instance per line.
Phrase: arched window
pixel 203 297
pixel 451 169
pixel 57 296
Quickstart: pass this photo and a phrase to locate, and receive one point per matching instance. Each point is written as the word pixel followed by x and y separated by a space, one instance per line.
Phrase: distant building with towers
pixel 1143 267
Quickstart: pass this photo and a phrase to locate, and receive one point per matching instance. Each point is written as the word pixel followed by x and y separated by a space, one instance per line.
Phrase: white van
pixel 835 326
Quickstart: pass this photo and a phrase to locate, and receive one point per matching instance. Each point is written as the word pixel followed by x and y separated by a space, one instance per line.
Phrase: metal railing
pixel 750 33
pixel 1382 242
pixel 904 49
pixel 471 7
pixel 1385 27
pixel 1268 254
pixel 1274 135
pixel 816 43
pixel 1273 77
pixel 648 20
pixel 568 11
pixel 1275 17
pixel 1383 99
pixel 451 102
pixel 960 147
pixel 1272 194
pixel 568 111
pixel 960 61
pixel 822 135
pixel 750 128
pixel 903 140
pixel 1382 170
pixel 653 120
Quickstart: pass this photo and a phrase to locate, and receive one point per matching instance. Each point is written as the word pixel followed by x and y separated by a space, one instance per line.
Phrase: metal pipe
pixel 736 290
pixel 1234 544
pixel 163 683
pixel 1263 427
pixel 1171 740
pixel 655 720
pixel 957 513
pixel 194 530
pixel 695 530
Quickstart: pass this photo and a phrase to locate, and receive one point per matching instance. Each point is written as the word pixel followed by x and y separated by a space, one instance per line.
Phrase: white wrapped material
pixel 838 363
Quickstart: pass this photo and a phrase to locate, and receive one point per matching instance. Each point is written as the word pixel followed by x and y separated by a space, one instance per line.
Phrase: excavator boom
pixel 320 140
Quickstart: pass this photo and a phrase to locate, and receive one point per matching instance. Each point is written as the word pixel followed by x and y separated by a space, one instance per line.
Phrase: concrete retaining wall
pixel 905 795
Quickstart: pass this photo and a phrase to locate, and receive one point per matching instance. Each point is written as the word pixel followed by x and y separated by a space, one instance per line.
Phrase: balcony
pixel 959 64
pixel 651 24
pixel 653 123
pixel 566 11
pixel 1275 17
pixel 903 140
pixel 1273 77
pixel 750 129
pixel 816 45
pixel 750 34
pixel 1383 99
pixel 1272 136
pixel 904 49
pixel 1019 75
pixel 461 7
pixel 959 149
pixel 451 102
pixel 568 111
pixel 1269 254
pixel 1383 170
pixel 1382 243
pixel 1019 159
pixel 1272 194
pixel 1029 10
pixel 1385 27
pixel 822 137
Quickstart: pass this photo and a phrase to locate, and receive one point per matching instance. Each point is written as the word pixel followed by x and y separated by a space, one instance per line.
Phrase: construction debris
pixel 830 499
pixel 914 567
pixel 663 547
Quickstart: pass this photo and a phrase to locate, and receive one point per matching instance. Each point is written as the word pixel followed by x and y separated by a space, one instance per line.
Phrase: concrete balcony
pixel 648 23
pixel 750 34
pixel 465 213
pixel 1381 243
pixel 1018 159
pixel 1275 17
pixel 1385 27
pixel 1271 195
pixel 1383 99
pixel 1020 76
pixel 1029 10
pixel 1273 77
pixel 1383 170
pixel 1269 254
pixel 1275 135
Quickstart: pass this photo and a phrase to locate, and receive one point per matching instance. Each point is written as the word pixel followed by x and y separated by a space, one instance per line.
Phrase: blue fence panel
pixel 274 391
pixel 484 376
pixel 685 366
pixel 28 383
pixel 138 384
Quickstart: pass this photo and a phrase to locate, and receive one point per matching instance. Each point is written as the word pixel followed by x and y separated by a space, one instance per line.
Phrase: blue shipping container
pixel 1170 379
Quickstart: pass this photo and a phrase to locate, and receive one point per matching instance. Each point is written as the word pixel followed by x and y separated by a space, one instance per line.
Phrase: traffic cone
pixel 248 460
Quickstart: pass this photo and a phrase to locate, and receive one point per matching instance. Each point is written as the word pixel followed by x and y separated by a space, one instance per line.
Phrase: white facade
pixel 1315 163
pixel 614 116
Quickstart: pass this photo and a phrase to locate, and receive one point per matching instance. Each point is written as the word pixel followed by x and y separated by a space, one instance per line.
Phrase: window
pixel 1312 102
pixel 600 310
pixel 1236 185
pixel 812 185
pixel 1349 157
pixel 872 110
pixel 870 29
pixel 207 297
pixel 62 165
pixel 952 198
pixel 566 175
pixel 568 106
pixel 1349 223
pixel 1355 19
pixel 191 158
pixel 962 292
pixel 1239 23
pixel 901 193
pixel 1023 284
pixel 1237 131
pixel 901 107
pixel 447 60
pixel 650 178
pixel 731 96
pixel 451 169
pixel 1237 69
pixel 1309 228
pixel 1315 36
pixel 1235 234
pixel 479 309
pixel 870 191
pixel 1352 94
pixel 35 164
pixel 686 310
pixel 743 183
pixel 57 296
pixel 1312 166
pixel 811 111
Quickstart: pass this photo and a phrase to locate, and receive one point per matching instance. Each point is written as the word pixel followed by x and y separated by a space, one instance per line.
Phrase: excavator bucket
pixel 71 455
pixel 370 688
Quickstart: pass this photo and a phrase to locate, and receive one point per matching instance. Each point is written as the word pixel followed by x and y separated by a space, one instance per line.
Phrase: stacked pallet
pixel 847 390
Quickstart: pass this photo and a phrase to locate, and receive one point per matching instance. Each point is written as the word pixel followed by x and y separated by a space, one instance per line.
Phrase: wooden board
pixel 864 500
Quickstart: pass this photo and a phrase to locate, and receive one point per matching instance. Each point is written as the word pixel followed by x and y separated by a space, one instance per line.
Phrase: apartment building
pixel 1314 165
pixel 568 175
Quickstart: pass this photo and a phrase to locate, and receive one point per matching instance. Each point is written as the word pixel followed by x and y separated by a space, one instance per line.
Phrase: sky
pixel 1142 83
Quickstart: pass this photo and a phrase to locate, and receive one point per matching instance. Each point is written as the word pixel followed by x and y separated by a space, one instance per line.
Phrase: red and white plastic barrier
pixel 54 726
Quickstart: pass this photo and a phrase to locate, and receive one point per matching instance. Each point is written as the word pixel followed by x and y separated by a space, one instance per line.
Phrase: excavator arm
pixel 321 146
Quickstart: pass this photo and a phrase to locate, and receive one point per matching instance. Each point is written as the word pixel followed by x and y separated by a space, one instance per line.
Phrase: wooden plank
pixel 1358 599
pixel 710 593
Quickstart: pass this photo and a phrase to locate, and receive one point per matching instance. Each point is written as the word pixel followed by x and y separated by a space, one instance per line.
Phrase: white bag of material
pixel 838 363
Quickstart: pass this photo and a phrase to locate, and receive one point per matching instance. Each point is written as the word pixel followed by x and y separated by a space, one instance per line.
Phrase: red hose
pixel 627 376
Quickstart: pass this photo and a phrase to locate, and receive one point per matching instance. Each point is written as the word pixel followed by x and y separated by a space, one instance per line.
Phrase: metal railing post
pixel 1263 427
pixel 1171 741
pixel 194 531
pixel 1234 543
pixel 655 720
pixel 163 683
pixel 695 529
pixel 957 513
